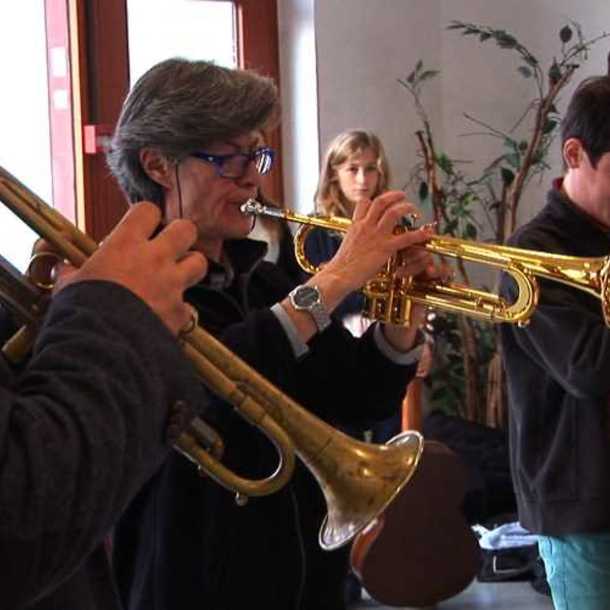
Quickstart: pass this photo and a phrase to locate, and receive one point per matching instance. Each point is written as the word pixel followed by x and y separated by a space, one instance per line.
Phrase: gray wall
pixel 363 46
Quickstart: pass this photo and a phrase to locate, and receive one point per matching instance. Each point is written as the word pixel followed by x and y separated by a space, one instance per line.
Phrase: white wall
pixel 298 81
pixel 482 79
pixel 363 46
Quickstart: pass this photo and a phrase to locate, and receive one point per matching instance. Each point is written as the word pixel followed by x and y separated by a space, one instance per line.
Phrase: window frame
pixel 100 82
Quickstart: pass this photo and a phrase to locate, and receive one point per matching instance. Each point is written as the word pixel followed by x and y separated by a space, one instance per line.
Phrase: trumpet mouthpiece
pixel 256 208
pixel 251 207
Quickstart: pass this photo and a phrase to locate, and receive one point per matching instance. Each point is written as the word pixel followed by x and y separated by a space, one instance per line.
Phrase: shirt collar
pixel 580 222
pixel 239 257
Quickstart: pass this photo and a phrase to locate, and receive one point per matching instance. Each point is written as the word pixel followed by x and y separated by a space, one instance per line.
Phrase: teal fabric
pixel 578 570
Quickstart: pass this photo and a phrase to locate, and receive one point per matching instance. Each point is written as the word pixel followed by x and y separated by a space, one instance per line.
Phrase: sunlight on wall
pixel 160 29
pixel 24 116
pixel 299 93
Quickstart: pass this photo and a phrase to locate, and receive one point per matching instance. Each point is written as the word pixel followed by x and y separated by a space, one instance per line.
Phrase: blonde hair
pixel 329 199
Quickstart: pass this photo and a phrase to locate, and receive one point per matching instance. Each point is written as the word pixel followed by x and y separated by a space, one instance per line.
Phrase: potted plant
pixel 468 378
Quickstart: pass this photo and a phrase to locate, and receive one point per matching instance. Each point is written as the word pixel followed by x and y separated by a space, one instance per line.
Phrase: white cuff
pixel 299 347
pixel 391 353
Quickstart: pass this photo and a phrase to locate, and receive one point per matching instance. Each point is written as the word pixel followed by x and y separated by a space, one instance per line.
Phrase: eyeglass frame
pixel 251 157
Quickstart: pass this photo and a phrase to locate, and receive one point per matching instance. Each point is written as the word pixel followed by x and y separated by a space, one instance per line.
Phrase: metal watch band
pixel 307 298
pixel 320 316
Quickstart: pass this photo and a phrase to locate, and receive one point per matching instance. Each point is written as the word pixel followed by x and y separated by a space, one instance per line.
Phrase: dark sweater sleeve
pixel 81 429
pixel 566 336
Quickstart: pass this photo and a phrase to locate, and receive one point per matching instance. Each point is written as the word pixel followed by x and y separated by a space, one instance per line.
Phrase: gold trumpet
pixel 359 480
pixel 388 297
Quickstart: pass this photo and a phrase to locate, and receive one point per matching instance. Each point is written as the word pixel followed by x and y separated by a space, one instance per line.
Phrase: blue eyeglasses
pixel 236 165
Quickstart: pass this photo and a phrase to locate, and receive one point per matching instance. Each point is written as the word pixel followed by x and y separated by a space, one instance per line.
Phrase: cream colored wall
pixel 363 46
pixel 298 80
pixel 482 79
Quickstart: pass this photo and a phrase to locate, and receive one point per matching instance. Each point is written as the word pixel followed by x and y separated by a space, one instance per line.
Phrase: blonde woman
pixel 355 168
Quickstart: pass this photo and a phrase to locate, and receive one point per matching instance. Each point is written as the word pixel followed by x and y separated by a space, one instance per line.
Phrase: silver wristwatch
pixel 307 298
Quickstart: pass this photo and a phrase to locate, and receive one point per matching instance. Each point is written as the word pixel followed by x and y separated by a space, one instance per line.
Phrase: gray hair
pixel 180 106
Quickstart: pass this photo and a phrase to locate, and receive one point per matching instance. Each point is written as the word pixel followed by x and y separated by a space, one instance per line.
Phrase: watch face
pixel 306 296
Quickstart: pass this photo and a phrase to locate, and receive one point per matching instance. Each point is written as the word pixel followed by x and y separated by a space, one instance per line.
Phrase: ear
pixel 573 153
pixel 157 167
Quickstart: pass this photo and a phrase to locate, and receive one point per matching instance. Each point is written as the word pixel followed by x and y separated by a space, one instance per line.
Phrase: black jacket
pixel 558 370
pixel 184 543
pixel 82 427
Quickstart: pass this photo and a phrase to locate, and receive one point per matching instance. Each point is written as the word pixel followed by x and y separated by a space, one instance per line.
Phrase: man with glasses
pixel 191 138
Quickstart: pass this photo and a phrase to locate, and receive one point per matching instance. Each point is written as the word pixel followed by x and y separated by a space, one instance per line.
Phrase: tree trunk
pixel 496 395
pixel 472 398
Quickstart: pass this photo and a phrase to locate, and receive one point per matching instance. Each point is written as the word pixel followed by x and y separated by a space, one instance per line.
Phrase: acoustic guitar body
pixel 421 551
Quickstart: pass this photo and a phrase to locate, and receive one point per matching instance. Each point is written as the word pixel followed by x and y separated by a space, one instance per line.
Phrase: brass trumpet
pixel 388 298
pixel 358 479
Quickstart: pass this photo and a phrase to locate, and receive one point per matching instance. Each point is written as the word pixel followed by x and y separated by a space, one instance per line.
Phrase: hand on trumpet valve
pixel 372 239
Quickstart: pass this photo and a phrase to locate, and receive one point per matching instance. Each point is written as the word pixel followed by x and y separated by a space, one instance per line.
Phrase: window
pixel 24 117
pixel 159 29
pixel 59 129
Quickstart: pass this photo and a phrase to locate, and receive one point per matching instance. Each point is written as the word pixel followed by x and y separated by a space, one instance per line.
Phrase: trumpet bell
pixel 360 480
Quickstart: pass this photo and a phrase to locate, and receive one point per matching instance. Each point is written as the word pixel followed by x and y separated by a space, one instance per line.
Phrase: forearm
pixel 84 427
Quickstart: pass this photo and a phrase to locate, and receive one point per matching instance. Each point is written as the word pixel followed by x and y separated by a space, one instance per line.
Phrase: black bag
pixel 484 450
pixel 514 563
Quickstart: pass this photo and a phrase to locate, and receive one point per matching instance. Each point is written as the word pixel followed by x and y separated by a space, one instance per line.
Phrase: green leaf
pixel 445 163
pixel 423 190
pixel 514 160
pixel 523 145
pixel 484 36
pixel 565 34
pixel 428 74
pixel 549 126
pixel 507 176
pixel 538 156
pixel 451 226
pixel 437 394
pixel 554 73
pixel 505 40
pixel 531 60
pixel 419 65
pixel 510 143
pixel 525 71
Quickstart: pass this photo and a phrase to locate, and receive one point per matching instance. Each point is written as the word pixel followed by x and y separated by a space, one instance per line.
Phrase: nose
pixel 360 176
pixel 251 178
